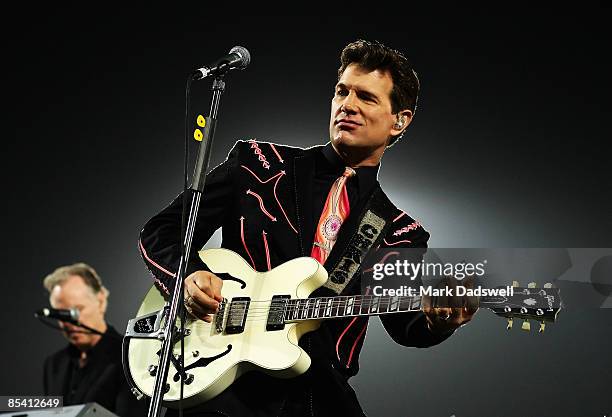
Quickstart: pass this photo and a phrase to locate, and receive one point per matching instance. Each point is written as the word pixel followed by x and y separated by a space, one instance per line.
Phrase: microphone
pixel 70 316
pixel 237 58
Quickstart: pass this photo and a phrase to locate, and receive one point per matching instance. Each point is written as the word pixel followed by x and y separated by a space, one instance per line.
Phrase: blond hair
pixel 86 272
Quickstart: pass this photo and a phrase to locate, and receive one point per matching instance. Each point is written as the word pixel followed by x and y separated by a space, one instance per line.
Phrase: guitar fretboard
pixel 348 306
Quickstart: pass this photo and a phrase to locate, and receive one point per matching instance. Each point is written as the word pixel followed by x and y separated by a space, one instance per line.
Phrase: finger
pixel 199 314
pixel 202 280
pixel 442 300
pixel 196 310
pixel 217 285
pixel 465 317
pixel 443 313
pixel 470 308
pixel 426 304
pixel 210 284
pixel 453 300
pixel 470 303
pixel 199 286
pixel 198 302
pixel 202 302
pixel 469 281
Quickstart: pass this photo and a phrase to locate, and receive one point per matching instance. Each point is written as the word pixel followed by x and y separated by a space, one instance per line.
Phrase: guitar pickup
pixel 276 314
pixel 237 314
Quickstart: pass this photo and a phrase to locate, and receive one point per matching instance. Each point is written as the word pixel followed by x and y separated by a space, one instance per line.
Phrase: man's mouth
pixel 347 124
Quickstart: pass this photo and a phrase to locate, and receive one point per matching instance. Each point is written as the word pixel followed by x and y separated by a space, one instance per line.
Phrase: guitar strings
pixel 262 313
pixel 302 304
pixel 325 300
pixel 323 307
pixel 298 308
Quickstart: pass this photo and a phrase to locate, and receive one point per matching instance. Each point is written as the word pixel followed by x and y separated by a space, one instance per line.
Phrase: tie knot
pixel 348 172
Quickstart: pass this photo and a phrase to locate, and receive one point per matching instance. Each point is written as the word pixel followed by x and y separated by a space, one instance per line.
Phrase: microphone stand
pixel 167 333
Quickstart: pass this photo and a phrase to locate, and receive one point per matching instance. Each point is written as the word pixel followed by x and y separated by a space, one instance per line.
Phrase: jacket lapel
pixel 303 177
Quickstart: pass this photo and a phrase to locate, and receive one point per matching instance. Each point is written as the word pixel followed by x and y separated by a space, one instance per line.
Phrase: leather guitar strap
pixel 372 226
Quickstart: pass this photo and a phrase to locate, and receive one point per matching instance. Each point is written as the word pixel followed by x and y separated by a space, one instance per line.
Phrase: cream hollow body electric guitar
pixel 261 319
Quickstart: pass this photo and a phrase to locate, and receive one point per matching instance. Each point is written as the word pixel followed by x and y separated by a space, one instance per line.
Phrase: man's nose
pixel 349 106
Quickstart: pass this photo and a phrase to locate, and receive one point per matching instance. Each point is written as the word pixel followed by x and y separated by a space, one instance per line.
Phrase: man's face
pixel 74 293
pixel 361 119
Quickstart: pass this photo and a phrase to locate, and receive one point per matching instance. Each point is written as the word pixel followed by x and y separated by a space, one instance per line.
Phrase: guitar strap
pixel 370 228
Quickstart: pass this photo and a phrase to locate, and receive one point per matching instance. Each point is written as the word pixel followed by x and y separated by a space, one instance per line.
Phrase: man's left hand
pixel 446 313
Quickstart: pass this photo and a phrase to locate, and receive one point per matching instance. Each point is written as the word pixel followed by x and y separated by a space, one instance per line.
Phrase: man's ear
pixel 404 118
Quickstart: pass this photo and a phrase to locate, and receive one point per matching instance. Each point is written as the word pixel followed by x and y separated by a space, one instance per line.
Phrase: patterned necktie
pixel 335 211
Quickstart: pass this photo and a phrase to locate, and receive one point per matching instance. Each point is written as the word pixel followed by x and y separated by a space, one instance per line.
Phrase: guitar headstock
pixel 531 303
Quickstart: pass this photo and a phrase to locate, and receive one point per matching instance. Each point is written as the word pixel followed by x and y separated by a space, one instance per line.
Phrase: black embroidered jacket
pixel 262 198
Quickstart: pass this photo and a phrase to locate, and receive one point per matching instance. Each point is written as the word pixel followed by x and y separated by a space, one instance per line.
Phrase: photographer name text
pixel 458 291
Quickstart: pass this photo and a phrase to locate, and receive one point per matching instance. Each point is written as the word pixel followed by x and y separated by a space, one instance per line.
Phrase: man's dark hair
pixel 376 56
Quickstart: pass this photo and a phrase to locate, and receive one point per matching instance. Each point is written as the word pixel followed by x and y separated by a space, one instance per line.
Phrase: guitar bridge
pixel 220 316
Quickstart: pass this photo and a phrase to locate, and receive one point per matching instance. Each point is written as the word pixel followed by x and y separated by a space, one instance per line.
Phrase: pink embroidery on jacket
pixel 277 177
pixel 265 240
pixel 344 332
pixel 152 262
pixel 279 203
pixel 161 284
pixel 341 336
pixel 244 242
pixel 406 229
pixel 262 158
pixel 280 158
pixel 365 326
pixel 259 179
pixel 396 243
pixel 403 213
pixel 261 205
pixel 383 260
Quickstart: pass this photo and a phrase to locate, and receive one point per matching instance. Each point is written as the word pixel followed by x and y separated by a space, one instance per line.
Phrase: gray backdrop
pixel 507 149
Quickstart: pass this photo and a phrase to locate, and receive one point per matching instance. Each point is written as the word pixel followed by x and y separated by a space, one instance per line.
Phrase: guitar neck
pixel 348 306
pixel 360 305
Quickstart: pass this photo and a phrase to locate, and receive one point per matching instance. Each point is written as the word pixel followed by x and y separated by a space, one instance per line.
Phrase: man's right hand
pixel 202 294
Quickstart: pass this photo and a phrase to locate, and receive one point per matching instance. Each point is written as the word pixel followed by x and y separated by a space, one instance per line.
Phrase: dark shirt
pixel 100 380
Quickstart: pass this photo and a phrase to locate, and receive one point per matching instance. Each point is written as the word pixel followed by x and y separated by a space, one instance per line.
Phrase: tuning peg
pixel 515 283
pixel 532 285
pixel 509 324
pixel 548 285
pixel 542 327
pixel 526 326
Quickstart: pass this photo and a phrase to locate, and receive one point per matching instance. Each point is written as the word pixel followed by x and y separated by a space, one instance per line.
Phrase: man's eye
pixel 340 92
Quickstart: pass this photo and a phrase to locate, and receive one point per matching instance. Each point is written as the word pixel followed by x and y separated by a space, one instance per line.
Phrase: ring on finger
pixel 188 300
